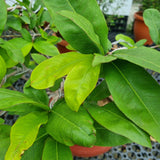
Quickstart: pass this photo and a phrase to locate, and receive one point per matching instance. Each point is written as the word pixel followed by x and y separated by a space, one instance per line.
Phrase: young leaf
pixel 55 68
pixel 136 94
pixel 55 150
pixel 104 137
pixel 26 35
pixel 24 133
pixel 93 14
pixel 127 41
pixel 110 117
pixel 86 27
pixel 98 59
pixel 151 19
pixel 3 17
pixel 140 43
pixel 9 99
pixel 79 83
pixel 38 58
pixel 46 48
pixel 2 68
pixel 77 128
pixel 5 139
pixel 143 56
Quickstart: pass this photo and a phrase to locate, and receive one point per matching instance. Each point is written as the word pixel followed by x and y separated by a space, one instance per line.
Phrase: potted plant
pixel 43 132
pixel 141 31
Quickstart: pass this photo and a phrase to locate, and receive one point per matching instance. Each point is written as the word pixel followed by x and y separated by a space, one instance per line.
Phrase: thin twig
pixel 15 7
pixel 155 46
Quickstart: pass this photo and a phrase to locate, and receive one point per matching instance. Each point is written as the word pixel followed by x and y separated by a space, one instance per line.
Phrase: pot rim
pixel 138 15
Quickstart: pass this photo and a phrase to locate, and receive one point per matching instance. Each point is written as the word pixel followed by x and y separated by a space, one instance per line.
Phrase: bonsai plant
pixel 43 132
pixel 141 31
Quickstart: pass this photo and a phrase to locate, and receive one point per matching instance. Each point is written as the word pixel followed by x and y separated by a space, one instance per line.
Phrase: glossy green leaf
pixel 136 94
pixel 9 99
pixel 84 25
pixel 46 48
pixel 14 22
pixel 80 82
pixel 100 92
pixel 98 59
pixel 4 139
pixel 3 17
pixel 46 73
pixel 38 58
pixel 24 133
pixel 104 137
pixel 110 117
pixel 69 127
pixel 143 56
pixel 125 40
pixel 2 68
pixel 56 151
pixel 151 19
pixel 70 29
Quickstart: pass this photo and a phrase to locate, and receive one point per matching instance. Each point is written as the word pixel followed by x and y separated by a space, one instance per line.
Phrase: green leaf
pixel 36 150
pixel 151 19
pixel 38 95
pixel 54 150
pixel 2 68
pixel 56 85
pixel 110 117
pixel 79 83
pixel 93 14
pixel 38 58
pixel 136 94
pixel 86 27
pixel 46 48
pixel 14 22
pixel 1 121
pixel 143 56
pixel 100 92
pixel 98 59
pixel 26 35
pixel 3 17
pixel 55 68
pixel 9 99
pixel 104 137
pixel 69 127
pixel 140 43
pixel 8 61
pixel 128 42
pixel 24 133
pixel 25 19
pixel 5 139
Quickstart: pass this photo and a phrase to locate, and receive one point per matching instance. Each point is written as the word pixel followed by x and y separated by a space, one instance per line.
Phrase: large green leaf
pixel 79 41
pixel 104 137
pixel 24 133
pixel 151 19
pixel 56 151
pixel 46 48
pixel 79 83
pixel 69 127
pixel 2 68
pixel 9 99
pixel 143 56
pixel 136 94
pixel 110 117
pixel 4 139
pixel 46 73
pixel 3 17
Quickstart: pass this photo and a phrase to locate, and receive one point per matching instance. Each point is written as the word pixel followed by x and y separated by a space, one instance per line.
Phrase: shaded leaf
pixel 110 117
pixel 77 128
pixel 143 56
pixel 38 58
pixel 26 35
pixel 54 150
pixel 24 133
pixel 136 94
pixel 2 68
